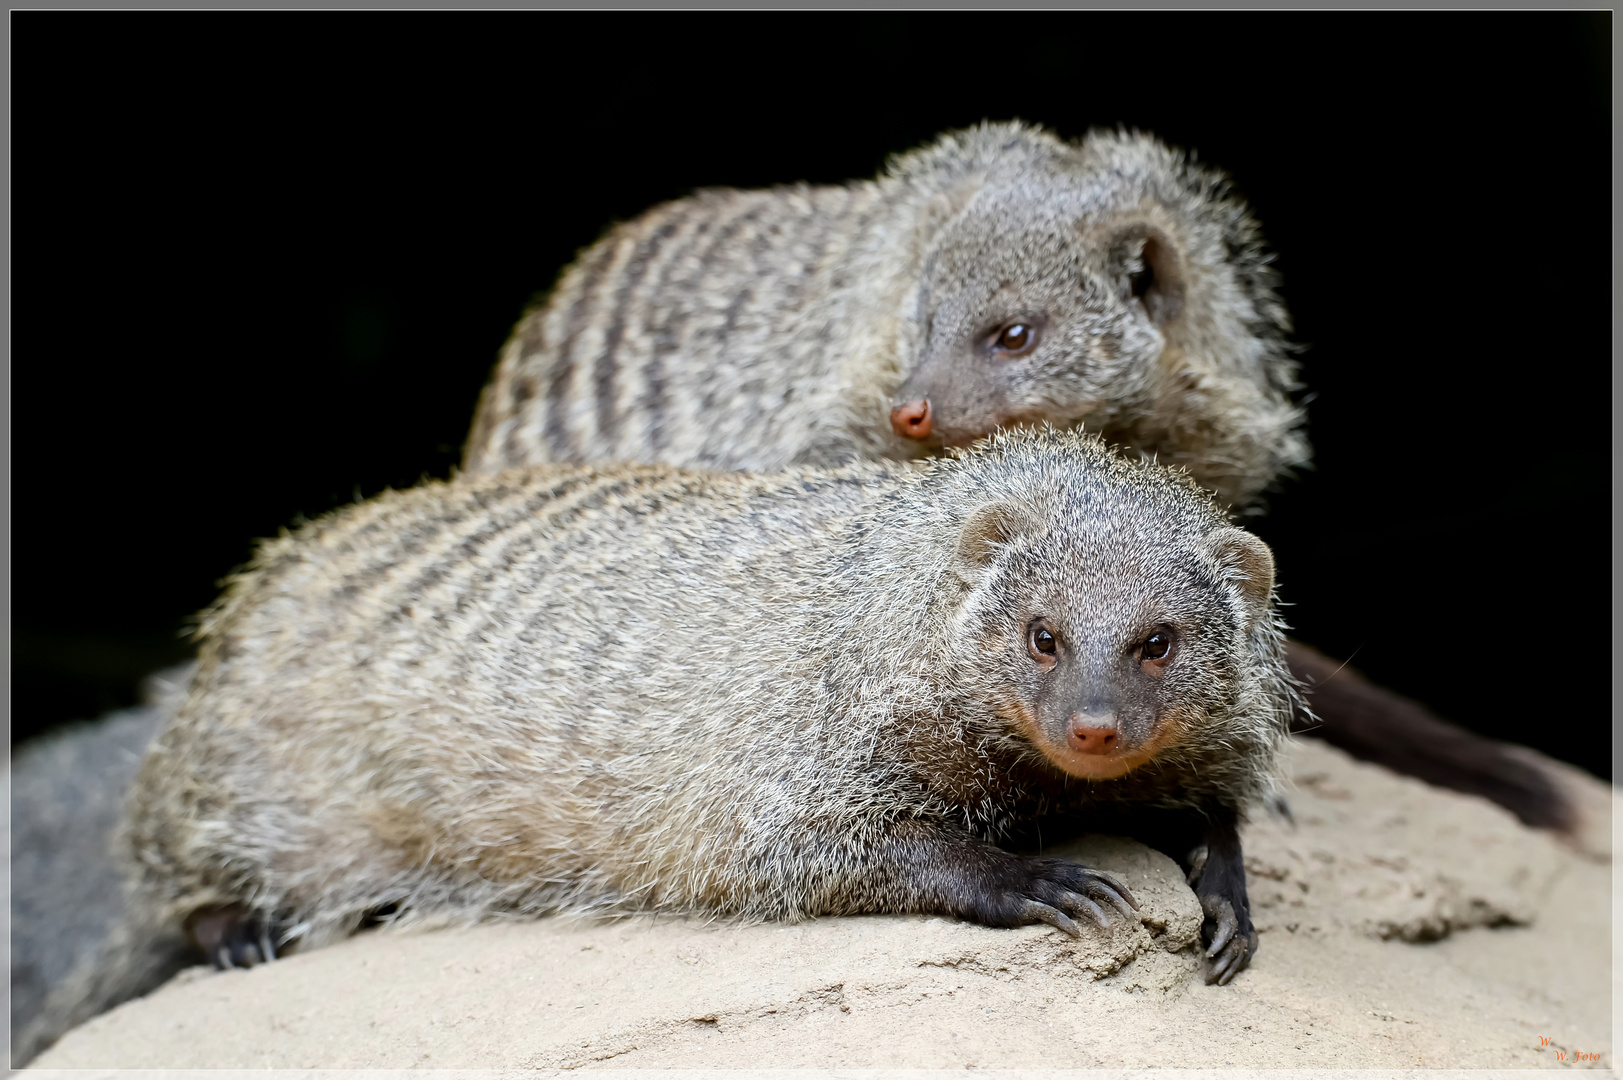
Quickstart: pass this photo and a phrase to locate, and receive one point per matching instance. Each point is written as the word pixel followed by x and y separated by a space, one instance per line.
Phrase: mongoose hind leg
pixel 232 936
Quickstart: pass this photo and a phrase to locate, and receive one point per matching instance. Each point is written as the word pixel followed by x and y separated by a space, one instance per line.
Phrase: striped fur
pixel 764 329
pixel 633 688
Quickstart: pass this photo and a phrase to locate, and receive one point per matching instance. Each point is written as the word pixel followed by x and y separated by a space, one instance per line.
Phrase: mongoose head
pixel 1114 284
pixel 1038 306
pixel 1110 614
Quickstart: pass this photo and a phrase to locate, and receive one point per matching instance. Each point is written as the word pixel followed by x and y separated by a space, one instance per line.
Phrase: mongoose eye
pixel 1156 650
pixel 1043 643
pixel 1016 339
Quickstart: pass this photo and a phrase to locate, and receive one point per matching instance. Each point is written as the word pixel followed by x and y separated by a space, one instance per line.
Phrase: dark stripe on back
pixel 792 298
pixel 554 527
pixel 521 393
pixel 850 231
pixel 496 523
pixel 580 313
pixel 637 495
pixel 667 336
pixel 535 329
pixel 608 362
pixel 761 245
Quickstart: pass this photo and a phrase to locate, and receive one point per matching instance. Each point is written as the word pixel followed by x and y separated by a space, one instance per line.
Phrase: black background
pixel 262 263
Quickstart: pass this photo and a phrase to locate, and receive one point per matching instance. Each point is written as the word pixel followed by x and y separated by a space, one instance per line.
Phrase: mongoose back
pixel 997 276
pixel 774 696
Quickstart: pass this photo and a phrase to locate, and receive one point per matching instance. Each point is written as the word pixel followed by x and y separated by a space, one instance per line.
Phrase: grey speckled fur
pixel 762 329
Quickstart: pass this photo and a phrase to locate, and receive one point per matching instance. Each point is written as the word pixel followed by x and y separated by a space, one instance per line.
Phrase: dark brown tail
pixel 1377 725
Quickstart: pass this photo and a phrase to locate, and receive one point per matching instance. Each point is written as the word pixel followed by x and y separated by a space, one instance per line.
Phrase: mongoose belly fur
pixel 772 696
pixel 999 276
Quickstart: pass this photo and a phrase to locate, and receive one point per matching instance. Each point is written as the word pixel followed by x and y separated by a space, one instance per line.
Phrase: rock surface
pixel 1401 926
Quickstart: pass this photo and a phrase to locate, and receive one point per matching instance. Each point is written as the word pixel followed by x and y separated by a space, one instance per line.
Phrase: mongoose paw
pixel 1230 946
pixel 232 936
pixel 1029 890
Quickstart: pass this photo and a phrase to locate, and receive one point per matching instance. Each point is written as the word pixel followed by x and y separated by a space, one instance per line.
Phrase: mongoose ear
pixel 945 205
pixel 1149 270
pixel 1248 564
pixel 989 526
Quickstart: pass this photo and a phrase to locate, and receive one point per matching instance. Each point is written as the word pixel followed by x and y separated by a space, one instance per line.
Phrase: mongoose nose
pixel 1092 735
pixel 912 420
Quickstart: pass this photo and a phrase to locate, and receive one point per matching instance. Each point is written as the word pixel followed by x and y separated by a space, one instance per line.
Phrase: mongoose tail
pixel 1374 724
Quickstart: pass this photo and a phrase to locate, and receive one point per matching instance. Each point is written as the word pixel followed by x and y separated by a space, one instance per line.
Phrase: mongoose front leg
pixel 1206 843
pixel 1216 871
pixel 232 936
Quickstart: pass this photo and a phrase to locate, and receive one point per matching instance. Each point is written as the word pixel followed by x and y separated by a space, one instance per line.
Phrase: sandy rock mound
pixel 1401 926
pixel 1386 857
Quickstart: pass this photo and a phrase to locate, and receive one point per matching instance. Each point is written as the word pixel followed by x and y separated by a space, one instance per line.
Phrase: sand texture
pixel 1401 926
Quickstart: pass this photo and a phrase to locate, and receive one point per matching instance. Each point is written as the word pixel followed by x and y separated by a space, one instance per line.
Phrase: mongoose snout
pixel 1093 734
pixel 911 420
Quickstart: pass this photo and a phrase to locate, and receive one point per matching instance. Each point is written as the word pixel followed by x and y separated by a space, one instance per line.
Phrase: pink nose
pixel 1088 736
pixel 912 420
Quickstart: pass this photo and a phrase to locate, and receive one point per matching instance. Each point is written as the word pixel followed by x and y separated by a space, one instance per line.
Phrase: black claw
pixel 1026 890
pixel 232 936
pixel 1039 912
pixel 1221 922
pixel 1209 850
pixel 1113 890
pixel 1206 843
pixel 1077 904
pixel 1231 962
pixel 1197 864
pixel 1116 895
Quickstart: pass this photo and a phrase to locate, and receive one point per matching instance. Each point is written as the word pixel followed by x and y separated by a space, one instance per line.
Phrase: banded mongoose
pixel 775 696
pixel 994 277
pixel 999 274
